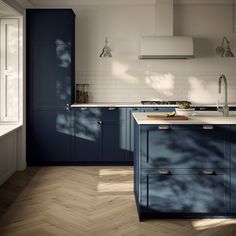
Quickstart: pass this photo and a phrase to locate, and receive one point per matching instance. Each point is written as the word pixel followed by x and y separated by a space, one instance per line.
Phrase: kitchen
pixel 73 174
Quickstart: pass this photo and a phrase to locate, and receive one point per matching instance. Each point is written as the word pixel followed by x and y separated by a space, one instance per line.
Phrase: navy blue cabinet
pixel 185 146
pixel 233 168
pixel 183 170
pixel 100 135
pixel 186 191
pixel 87 134
pixel 50 85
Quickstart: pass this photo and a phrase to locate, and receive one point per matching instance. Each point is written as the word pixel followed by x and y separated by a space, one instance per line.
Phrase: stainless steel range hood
pixel 164 45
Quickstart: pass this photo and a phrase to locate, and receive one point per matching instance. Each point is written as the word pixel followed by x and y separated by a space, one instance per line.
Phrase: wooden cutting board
pixel 159 117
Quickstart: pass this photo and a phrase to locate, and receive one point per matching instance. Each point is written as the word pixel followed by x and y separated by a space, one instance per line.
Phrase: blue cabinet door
pixel 50 25
pixel 233 167
pixel 186 191
pixel 185 146
pixel 50 84
pixel 114 135
pixel 51 135
pixel 87 134
pixel 130 133
pixel 114 141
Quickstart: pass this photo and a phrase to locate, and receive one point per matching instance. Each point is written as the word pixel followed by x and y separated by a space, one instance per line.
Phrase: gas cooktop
pixel 165 102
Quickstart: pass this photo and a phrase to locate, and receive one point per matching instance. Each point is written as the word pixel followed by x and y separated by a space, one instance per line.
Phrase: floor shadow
pixel 14 186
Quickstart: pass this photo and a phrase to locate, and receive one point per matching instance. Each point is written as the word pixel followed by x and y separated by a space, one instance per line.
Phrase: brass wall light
pixel 224 50
pixel 106 51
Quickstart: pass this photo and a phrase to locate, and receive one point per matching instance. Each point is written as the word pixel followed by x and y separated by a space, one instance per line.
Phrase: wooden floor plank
pixel 93 201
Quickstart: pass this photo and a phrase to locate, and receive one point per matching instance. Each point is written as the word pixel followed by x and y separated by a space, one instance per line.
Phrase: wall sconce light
pixel 106 51
pixel 224 50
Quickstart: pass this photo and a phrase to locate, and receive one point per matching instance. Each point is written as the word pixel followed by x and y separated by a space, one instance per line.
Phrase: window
pixel 10 70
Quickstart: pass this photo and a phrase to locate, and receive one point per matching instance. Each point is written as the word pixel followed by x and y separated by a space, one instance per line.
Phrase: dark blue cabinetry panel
pixel 186 191
pixel 52 75
pixel 233 166
pixel 185 146
pixel 100 135
pixel 87 134
pixel 50 85
pixel 184 171
pixel 50 137
pixel 50 25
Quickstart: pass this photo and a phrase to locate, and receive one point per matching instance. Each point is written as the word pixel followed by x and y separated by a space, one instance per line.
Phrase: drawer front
pixel 185 147
pixel 186 191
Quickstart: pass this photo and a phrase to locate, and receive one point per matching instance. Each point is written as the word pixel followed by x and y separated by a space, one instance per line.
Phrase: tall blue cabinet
pixel 50 42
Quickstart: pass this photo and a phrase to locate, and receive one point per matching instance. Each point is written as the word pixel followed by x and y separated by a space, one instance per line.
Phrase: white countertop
pixel 7 128
pixel 141 119
pixel 138 105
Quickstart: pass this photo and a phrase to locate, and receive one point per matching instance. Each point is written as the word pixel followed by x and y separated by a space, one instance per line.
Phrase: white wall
pixel 124 78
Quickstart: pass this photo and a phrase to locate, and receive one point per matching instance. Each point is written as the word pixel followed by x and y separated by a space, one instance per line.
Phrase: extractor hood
pixel 164 45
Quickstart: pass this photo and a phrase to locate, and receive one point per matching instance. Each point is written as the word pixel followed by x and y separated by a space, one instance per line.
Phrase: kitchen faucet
pixel 225 108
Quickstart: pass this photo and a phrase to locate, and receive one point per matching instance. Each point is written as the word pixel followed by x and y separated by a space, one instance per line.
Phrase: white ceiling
pixel 6 10
pixel 58 3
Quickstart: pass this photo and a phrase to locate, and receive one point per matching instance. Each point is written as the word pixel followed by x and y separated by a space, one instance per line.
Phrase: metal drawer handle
pixel 68 107
pixel 208 172
pixel 111 108
pixel 208 127
pixel 155 109
pixel 202 108
pixel 84 109
pixel 164 172
pixel 134 109
pixel 99 122
pixel 163 127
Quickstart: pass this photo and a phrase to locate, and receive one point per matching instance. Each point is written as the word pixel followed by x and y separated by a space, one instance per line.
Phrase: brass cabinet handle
pixel 83 108
pixel 208 127
pixel 164 172
pixel 163 127
pixel 111 108
pixel 208 172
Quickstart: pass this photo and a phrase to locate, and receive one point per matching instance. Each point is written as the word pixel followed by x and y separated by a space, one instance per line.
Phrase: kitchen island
pixel 185 169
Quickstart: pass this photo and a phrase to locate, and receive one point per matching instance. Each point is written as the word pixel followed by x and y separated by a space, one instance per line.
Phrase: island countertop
pixel 142 119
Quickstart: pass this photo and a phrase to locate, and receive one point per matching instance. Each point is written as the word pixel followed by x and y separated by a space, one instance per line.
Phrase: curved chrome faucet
pixel 225 108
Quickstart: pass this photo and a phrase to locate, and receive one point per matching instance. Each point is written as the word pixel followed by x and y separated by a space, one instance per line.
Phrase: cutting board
pixel 159 117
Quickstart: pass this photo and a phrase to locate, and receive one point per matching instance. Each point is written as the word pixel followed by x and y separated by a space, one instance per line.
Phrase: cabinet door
pixel 114 141
pixel 130 133
pixel 87 134
pixel 50 24
pixel 186 191
pixel 51 75
pixel 50 138
pixel 233 166
pixel 114 135
pixel 185 146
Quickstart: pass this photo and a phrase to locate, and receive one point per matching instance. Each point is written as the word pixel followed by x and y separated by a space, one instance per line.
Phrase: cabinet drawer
pixel 186 191
pixel 183 146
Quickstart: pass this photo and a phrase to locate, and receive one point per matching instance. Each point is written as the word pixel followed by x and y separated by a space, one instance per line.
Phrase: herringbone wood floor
pixel 92 201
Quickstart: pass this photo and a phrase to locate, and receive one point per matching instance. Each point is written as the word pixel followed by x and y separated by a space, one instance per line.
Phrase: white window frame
pixel 11 69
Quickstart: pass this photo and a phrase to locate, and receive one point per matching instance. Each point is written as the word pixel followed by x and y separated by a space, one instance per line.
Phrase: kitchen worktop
pixel 141 119
pixel 137 105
